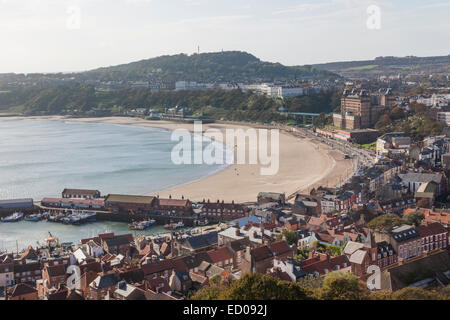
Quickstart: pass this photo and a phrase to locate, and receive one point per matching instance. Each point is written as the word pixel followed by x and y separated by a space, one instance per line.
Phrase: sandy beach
pixel 303 164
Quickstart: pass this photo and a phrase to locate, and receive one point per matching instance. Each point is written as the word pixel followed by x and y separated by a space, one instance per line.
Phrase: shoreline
pixel 304 164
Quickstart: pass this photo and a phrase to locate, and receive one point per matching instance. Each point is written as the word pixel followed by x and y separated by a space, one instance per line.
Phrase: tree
pixel 212 292
pixel 215 279
pixel 302 254
pixel 414 218
pixel 333 250
pixel 385 222
pixel 397 113
pixel 339 285
pixel 291 236
pixel 265 287
pixel 381 295
pixel 413 293
pixel 383 122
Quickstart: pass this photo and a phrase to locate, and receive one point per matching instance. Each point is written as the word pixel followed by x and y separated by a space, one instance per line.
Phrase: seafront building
pixel 362 109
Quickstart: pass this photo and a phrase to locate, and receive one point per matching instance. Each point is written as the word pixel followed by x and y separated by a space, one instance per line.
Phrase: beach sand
pixel 303 164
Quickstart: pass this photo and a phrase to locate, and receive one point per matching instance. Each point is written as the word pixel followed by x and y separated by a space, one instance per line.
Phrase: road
pixel 363 158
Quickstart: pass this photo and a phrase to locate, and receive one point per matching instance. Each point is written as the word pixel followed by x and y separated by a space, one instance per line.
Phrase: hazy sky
pixel 75 35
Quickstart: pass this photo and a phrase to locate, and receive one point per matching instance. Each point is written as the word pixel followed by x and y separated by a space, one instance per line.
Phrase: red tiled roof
pixel 281 275
pixel 56 271
pixel 163 265
pixel 431 229
pixel 21 289
pixel 431 216
pixel 330 265
pixel 220 254
pixel 325 237
pixel 261 253
pixel 106 235
pixel 93 266
pixel 159 282
pixel 310 261
pixel 280 247
pixel 437 228
pixel 74 201
pixel 173 202
pixel 81 192
pixel 95 239
pixel 317 221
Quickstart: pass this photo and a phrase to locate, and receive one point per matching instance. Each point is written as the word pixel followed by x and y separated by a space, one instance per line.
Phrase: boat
pixel 33 218
pixel 15 217
pixel 52 242
pixel 174 226
pixel 202 222
pixel 141 225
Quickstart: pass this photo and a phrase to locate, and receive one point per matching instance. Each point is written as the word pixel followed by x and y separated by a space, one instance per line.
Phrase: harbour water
pixel 19 235
pixel 39 158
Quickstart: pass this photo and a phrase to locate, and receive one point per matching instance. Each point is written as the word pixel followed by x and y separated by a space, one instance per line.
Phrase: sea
pixel 39 158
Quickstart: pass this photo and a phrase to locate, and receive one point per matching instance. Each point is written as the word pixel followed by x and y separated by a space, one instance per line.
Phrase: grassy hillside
pixel 215 66
pixel 387 66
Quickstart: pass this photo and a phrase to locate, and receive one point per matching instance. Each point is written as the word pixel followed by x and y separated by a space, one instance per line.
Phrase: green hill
pixel 215 66
pixel 388 66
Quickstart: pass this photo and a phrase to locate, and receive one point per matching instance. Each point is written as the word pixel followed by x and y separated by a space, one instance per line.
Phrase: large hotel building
pixel 362 110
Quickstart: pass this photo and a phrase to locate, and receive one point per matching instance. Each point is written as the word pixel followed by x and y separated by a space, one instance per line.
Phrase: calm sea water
pixel 40 158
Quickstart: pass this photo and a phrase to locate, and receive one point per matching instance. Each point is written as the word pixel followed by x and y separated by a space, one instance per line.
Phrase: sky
pixel 77 35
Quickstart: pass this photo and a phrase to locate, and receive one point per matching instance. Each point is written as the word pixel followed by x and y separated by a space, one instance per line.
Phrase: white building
pixel 192 85
pixel 289 92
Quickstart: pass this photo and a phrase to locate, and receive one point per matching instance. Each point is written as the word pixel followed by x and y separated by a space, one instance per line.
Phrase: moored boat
pixel 174 226
pixel 15 217
pixel 141 225
pixel 33 218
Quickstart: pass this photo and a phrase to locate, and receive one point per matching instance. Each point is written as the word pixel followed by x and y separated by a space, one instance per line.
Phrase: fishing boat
pixel 174 226
pixel 67 220
pixel 52 241
pixel 33 218
pixel 91 217
pixel 141 225
pixel 202 222
pixel 15 217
